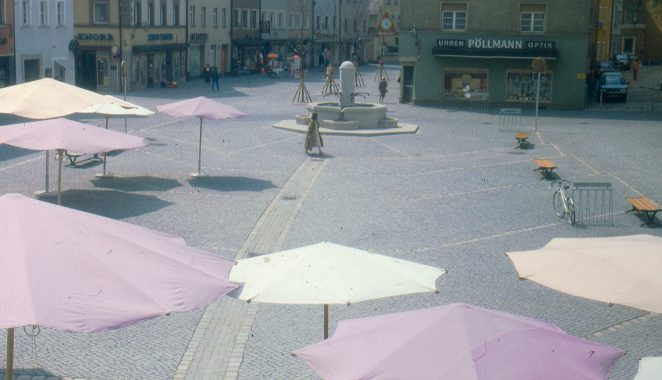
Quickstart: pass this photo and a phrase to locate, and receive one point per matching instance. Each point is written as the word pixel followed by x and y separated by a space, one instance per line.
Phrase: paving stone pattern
pixel 457 195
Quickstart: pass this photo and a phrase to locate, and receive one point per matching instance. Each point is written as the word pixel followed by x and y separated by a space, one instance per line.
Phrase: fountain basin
pixel 355 116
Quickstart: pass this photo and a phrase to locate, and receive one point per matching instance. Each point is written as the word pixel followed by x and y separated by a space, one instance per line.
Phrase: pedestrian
pixel 383 84
pixel 214 79
pixel 206 74
pixel 635 68
pixel 313 136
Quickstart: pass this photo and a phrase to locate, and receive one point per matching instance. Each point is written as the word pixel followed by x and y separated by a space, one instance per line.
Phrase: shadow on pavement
pixel 231 183
pixel 8 152
pixel 111 203
pixel 138 183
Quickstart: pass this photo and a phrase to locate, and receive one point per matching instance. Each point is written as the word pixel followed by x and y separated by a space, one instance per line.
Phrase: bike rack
pixel 594 203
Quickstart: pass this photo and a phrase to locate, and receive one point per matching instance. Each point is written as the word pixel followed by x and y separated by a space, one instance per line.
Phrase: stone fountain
pixel 346 116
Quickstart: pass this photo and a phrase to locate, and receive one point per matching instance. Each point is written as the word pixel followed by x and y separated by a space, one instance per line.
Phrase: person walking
pixel 313 136
pixel 635 68
pixel 383 84
pixel 206 73
pixel 214 79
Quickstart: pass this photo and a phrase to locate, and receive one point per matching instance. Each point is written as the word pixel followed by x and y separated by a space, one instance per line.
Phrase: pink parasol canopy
pixel 456 341
pixel 66 135
pixel 73 271
pixel 202 108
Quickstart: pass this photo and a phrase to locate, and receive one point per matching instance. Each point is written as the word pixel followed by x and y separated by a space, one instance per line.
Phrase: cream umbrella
pixel 650 368
pixel 46 99
pixel 118 107
pixel 327 273
pixel 622 269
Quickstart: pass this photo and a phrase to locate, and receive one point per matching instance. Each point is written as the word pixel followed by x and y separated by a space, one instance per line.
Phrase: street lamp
pixel 538 65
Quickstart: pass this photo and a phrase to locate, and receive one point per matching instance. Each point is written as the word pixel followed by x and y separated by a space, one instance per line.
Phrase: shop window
pixel 462 83
pixel 60 13
pixel 453 16
pixel 100 12
pixel 532 18
pixel 521 86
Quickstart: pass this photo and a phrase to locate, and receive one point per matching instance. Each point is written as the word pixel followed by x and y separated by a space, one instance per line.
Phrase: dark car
pixel 621 61
pixel 612 84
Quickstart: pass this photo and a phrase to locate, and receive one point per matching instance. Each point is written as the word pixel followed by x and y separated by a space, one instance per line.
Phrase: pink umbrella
pixel 203 108
pixel 66 135
pixel 456 341
pixel 73 271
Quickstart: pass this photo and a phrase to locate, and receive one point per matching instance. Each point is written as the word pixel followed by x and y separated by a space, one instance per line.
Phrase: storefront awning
pixel 494 53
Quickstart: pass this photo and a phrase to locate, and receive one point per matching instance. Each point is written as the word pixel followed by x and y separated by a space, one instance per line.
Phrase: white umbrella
pixel 623 270
pixel 327 273
pixel 46 99
pixel 650 368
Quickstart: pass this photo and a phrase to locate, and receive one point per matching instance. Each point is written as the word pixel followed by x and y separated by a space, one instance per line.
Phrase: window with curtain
pixel 100 12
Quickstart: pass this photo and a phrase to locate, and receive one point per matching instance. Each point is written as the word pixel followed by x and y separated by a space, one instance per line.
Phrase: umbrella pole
pixel 9 372
pixel 200 148
pixel 326 321
pixel 47 158
pixel 106 122
pixel 59 177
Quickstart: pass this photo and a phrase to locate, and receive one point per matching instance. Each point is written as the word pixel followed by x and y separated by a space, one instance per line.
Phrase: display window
pixel 521 86
pixel 462 83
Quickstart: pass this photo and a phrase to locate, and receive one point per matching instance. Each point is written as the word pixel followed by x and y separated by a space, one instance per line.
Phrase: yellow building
pixel 604 30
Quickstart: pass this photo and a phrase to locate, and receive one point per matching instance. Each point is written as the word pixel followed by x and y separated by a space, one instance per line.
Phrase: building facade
pixel 453 51
pixel 274 28
pixel 246 35
pixel 7 72
pixel 43 33
pixel 384 42
pixel 208 35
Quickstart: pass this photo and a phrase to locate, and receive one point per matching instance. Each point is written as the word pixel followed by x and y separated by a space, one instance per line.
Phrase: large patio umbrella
pixel 66 135
pixel 202 108
pixel 118 107
pixel 73 271
pixel 623 270
pixel 456 341
pixel 650 368
pixel 46 99
pixel 327 273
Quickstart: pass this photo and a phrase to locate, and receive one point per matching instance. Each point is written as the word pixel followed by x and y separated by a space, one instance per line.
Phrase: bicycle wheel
pixel 558 203
pixel 571 211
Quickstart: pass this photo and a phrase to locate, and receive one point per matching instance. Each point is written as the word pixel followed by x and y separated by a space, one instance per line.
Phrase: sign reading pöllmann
pixel 495 43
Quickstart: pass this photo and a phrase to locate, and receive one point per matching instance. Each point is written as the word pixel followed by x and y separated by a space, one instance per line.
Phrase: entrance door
pixel 31 69
pixel 150 70
pixel 86 73
pixel 407 84
pixel 168 74
pixel 224 59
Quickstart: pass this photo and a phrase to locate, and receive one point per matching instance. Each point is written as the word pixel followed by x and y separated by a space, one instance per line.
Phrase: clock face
pixel 386 23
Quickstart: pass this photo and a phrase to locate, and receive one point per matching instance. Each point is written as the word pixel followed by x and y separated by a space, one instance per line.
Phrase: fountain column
pixel 347 77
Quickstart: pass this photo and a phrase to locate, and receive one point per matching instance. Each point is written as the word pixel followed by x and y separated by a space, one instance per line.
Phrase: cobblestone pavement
pixel 457 195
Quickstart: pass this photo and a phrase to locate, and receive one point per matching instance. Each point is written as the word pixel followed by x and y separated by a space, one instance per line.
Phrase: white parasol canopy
pixel 650 368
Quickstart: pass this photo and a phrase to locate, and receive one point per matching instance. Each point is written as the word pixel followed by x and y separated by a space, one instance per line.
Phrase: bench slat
pixel 643 204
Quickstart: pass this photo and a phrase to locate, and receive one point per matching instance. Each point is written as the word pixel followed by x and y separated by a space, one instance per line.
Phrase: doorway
pixel 31 70
pixel 224 59
pixel 407 84
pixel 86 72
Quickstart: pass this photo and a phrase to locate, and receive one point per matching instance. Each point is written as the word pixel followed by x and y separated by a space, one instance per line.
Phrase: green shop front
pixel 496 70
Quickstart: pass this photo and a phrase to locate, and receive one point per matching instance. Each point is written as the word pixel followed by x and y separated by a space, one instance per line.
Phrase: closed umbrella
pixel 66 135
pixel 73 271
pixel 327 273
pixel 202 108
pixel 456 341
pixel 621 269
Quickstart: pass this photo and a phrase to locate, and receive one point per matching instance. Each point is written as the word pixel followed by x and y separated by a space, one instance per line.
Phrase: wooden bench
pixel 522 138
pixel 74 158
pixel 643 205
pixel 545 166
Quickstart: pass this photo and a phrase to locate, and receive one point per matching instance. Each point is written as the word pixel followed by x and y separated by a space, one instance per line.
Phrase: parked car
pixel 604 66
pixel 622 61
pixel 612 84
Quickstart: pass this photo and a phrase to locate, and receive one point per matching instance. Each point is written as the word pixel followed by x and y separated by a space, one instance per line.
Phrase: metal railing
pixel 594 203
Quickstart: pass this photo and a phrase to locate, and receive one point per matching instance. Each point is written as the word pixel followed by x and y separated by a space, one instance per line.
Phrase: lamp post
pixel 538 65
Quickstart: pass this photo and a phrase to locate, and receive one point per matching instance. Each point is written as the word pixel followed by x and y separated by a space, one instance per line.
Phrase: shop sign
pixel 160 37
pixel 495 43
pixel 95 37
pixel 199 37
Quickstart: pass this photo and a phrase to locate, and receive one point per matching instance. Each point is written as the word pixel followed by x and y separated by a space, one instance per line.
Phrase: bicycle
pixel 562 201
